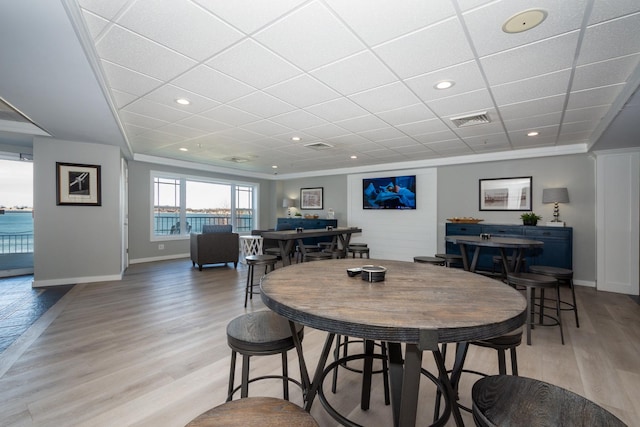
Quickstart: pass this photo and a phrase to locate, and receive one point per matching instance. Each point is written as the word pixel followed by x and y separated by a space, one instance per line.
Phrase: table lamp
pixel 288 203
pixel 555 196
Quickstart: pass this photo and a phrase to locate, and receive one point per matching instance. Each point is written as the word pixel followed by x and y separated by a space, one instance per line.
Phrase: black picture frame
pixel 312 198
pixel 78 185
pixel 505 194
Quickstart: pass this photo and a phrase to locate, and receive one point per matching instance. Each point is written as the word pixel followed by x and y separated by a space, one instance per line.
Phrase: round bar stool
pixel 532 282
pixel 503 400
pixel 450 259
pixel 563 275
pixel 255 412
pixel 317 256
pixel 252 261
pixel 360 250
pixel 497 264
pixel 276 252
pixel 429 260
pixel 261 333
pixel 360 245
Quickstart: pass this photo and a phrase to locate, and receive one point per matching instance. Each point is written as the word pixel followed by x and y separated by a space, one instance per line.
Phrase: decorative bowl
pixel 465 220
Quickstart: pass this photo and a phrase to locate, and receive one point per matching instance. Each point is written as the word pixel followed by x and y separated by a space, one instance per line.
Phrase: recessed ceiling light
pixel 183 101
pixel 534 133
pixel 274 167
pixel 524 21
pixel 354 157
pixel 445 84
pixel 183 149
pixel 296 138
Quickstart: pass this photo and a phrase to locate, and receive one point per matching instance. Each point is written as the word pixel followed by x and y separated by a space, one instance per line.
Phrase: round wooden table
pixel 420 305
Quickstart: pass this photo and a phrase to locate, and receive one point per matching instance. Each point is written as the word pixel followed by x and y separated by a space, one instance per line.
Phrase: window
pixel 184 204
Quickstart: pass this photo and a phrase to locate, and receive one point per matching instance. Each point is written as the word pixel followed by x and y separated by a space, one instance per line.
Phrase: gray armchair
pixel 215 245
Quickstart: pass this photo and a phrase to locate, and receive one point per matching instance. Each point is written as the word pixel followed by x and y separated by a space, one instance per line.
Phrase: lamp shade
pixel 288 203
pixel 555 195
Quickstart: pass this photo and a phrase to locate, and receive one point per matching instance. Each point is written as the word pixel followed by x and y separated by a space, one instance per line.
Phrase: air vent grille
pixel 237 159
pixel 318 146
pixel 472 120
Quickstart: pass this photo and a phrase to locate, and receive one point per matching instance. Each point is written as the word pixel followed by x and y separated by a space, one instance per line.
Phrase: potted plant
pixel 530 218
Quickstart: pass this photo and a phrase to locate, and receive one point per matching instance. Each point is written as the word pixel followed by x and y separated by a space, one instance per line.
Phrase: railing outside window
pixel 16 243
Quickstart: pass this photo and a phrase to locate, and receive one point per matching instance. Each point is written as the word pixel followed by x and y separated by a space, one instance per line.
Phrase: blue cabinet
pixel 557 250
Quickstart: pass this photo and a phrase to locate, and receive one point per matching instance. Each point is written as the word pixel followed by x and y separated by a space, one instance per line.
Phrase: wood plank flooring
pixel 151 350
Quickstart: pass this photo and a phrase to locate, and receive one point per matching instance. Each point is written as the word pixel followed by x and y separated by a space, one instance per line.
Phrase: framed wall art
pixel 78 185
pixel 505 194
pixel 311 198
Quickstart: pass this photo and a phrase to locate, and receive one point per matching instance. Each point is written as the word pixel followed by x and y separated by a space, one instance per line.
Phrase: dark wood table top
pixel 310 232
pixel 498 242
pixel 414 297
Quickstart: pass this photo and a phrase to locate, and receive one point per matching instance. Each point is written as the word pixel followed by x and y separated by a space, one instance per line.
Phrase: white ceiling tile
pixel 230 115
pixel 141 55
pixel 598 96
pixel 384 98
pixel 533 123
pixel 470 102
pixel 574 127
pixel 381 134
pixel 585 114
pixel 403 141
pixel 404 115
pixel 431 137
pixel 493 140
pixel 417 53
pixel 532 107
pixel 336 110
pixel 240 134
pixel 180 130
pixel 122 98
pixel 449 146
pixel 106 9
pixel 168 94
pixel 249 15
pixel 95 24
pixel 608 9
pixel 173 23
pixel 154 109
pixel 204 124
pixel 605 73
pixel 140 120
pixel 262 105
pixel 362 123
pixel 327 130
pixel 466 77
pixel 212 84
pixel 310 37
pixel 242 60
pixel 417 152
pixel 377 21
pixel 298 119
pixel 535 87
pixel 126 80
pixel 530 60
pixel 302 91
pixel 356 73
pixel 485 23
pixel 266 128
pixel 423 126
pixel 610 39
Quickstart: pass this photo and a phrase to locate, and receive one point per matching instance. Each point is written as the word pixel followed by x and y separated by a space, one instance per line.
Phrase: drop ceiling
pixel 356 75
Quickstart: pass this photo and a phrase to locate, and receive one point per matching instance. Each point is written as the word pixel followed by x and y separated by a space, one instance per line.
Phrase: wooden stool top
pixel 449 256
pixel 261 331
pixel 315 256
pixel 261 259
pixel 530 279
pixel 514 400
pixel 255 412
pixel 508 340
pixel 429 260
pixel 547 270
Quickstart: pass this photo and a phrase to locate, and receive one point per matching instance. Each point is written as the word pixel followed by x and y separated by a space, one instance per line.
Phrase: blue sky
pixel 16 183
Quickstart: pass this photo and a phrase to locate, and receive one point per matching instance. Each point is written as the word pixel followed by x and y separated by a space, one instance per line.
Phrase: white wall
pixel 75 244
pixel 397 234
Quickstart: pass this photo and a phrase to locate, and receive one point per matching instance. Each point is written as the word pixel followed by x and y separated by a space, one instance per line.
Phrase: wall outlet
pixel 161 246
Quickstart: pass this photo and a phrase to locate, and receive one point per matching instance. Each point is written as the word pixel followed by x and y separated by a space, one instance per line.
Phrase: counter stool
pixel 532 282
pixel 260 333
pixel 255 412
pixel 360 245
pixel 360 250
pixel 497 264
pixel 563 275
pixel 252 261
pixel 518 401
pixel 305 249
pixel 317 256
pixel 429 260
pixel 275 252
pixel 450 259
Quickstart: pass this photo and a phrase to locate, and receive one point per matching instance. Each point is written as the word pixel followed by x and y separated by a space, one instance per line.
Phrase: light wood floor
pixel 151 350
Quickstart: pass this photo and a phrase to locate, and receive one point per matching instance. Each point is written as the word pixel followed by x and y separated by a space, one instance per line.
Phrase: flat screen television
pixel 396 192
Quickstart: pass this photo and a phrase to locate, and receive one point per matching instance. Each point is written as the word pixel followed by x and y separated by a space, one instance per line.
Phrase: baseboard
pixel 159 258
pixel 75 280
pixel 587 283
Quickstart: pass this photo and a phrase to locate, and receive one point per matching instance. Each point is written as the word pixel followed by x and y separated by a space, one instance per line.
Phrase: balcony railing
pixel 16 243
pixel 170 224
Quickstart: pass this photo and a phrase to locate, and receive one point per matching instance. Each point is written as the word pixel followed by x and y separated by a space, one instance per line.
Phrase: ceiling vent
pixel 318 146
pixel 237 159
pixel 472 120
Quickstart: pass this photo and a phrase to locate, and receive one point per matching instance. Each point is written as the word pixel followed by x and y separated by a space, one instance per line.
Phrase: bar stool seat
pixel 260 333
pixel 255 412
pixel 360 250
pixel 429 260
pixel 563 275
pixel 450 259
pixel 317 256
pixel 532 282
pixel 252 261
pixel 503 400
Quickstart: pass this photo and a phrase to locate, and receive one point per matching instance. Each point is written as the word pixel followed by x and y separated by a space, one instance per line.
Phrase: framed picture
pixel 78 185
pixel 505 194
pixel 311 198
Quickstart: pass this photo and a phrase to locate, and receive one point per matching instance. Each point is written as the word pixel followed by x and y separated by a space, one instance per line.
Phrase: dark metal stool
pixel 261 333
pixel 360 250
pixel 518 401
pixel 497 263
pixel 317 256
pixel 252 261
pixel 429 260
pixel 450 259
pixel 532 282
pixel 563 275
pixel 255 412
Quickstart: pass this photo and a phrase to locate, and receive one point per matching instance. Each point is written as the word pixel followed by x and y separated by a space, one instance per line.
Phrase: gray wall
pixel 334 194
pixel 141 247
pixel 75 244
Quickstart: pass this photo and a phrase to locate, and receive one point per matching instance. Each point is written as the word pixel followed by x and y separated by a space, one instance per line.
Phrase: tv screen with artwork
pixel 396 192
